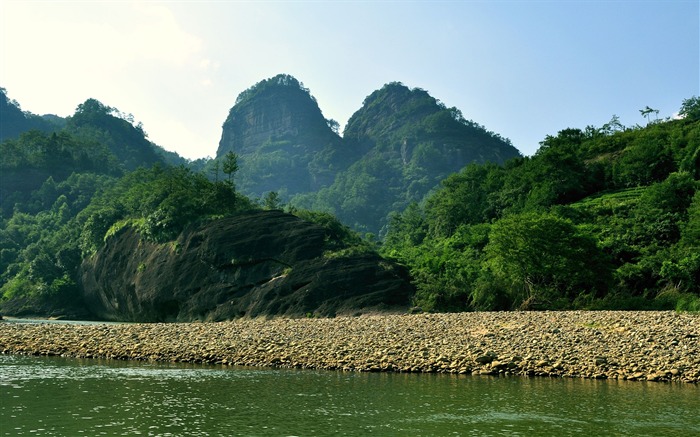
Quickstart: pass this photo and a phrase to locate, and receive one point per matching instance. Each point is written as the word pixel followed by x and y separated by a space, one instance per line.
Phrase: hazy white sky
pixel 524 69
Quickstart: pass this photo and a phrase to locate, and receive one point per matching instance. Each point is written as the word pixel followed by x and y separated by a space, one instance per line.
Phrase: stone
pixel 365 343
pixel 484 359
pixel 258 263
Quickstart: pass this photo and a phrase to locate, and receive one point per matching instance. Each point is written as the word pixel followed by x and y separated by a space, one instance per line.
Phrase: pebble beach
pixel 626 345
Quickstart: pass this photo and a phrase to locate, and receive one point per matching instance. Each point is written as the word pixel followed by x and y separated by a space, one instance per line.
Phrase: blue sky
pixel 524 69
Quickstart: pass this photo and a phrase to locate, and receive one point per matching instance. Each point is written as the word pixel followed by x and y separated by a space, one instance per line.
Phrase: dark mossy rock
pixel 262 263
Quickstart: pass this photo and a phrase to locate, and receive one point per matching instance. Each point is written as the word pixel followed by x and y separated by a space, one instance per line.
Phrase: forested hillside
pixel 61 192
pixel 15 121
pixel 394 149
pixel 599 217
pixel 407 142
pixel 603 217
pixel 71 194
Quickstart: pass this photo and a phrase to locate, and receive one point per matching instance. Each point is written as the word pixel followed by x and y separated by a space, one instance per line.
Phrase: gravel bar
pixel 628 345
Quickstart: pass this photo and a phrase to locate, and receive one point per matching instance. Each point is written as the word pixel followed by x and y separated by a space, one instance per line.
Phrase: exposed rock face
pixel 281 137
pixel 394 150
pixel 257 263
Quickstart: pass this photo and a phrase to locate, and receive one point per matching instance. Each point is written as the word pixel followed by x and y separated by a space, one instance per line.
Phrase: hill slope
pixel 14 121
pixel 394 150
pixel 598 218
pixel 410 142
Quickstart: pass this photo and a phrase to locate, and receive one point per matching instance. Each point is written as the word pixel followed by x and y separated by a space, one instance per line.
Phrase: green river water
pixel 71 397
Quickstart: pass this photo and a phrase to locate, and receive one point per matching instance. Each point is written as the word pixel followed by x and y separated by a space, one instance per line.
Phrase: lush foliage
pixel 64 193
pixel 598 218
pixel 603 217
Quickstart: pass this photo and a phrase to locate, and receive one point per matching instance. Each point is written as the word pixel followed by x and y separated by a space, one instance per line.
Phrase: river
pixel 42 396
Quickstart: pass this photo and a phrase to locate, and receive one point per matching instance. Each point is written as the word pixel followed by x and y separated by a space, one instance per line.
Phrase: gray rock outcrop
pixel 255 264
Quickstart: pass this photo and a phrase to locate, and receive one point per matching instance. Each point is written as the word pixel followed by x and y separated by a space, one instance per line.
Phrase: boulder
pixel 260 263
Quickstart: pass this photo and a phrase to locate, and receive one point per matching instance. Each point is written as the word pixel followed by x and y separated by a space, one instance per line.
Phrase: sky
pixel 524 69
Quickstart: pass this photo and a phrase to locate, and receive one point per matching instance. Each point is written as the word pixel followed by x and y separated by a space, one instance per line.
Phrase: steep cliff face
pixel 260 263
pixel 283 142
pixel 394 150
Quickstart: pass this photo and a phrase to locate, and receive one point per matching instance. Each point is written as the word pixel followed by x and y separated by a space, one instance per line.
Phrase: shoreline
pixel 625 345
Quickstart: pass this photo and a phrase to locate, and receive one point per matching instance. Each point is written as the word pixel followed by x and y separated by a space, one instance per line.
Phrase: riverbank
pixel 652 346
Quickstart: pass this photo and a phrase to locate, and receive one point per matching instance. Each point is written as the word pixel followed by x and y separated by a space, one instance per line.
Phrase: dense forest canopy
pixel 599 217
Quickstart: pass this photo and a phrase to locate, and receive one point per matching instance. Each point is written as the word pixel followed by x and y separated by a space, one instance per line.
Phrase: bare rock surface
pixel 259 263
pixel 651 346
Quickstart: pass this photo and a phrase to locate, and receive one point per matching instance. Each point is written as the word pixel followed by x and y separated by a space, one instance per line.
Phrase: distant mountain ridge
pixel 14 121
pixel 397 147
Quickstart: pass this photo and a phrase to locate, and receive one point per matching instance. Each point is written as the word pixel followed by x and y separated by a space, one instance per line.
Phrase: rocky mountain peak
pixel 275 109
pixel 398 146
pixel 278 132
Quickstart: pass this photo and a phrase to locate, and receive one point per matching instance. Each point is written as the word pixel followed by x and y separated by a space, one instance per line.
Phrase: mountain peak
pixel 276 128
pixel 276 83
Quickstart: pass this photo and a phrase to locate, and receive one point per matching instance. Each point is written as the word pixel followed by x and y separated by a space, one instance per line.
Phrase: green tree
pixel 215 168
pixel 462 199
pixel 541 259
pixel 334 125
pixel 230 166
pixel 271 200
pixel 646 113
pixel 690 109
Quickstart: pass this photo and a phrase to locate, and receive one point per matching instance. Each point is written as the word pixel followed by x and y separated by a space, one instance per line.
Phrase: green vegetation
pixel 63 194
pixel 598 218
pixel 15 121
pixel 407 142
pixel 394 150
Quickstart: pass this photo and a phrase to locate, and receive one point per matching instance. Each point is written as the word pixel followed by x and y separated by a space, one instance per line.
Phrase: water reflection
pixel 57 396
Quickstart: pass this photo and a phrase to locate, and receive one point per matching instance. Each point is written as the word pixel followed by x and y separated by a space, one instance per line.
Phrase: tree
pixel 462 199
pixel 271 200
pixel 540 258
pixel 690 109
pixel 230 166
pixel 614 125
pixel 334 125
pixel 216 167
pixel 646 113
